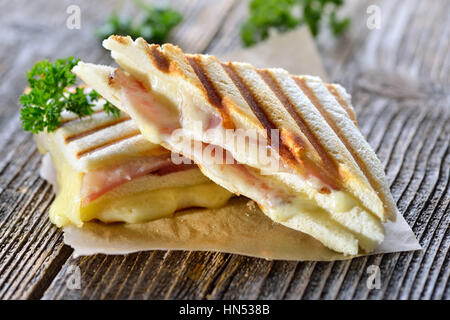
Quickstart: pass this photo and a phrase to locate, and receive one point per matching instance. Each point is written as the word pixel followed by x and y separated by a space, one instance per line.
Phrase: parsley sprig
pixel 284 15
pixel 154 27
pixel 49 95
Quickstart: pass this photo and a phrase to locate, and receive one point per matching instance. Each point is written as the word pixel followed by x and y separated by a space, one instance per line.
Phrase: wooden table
pixel 399 77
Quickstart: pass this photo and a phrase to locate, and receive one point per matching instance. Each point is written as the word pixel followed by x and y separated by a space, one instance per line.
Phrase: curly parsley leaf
pixel 49 95
pixel 111 109
pixel 284 15
pixel 155 25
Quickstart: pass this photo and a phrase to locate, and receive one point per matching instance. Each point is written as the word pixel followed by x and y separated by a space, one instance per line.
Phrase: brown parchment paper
pixel 239 227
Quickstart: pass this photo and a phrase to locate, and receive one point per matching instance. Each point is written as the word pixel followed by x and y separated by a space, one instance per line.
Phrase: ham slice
pixel 98 182
pixel 136 99
pixel 146 105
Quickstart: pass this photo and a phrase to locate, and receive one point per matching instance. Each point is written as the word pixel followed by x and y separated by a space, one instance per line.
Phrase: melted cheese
pixel 133 202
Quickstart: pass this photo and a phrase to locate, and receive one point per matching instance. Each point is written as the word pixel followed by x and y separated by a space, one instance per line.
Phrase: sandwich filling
pixel 98 182
pixel 105 174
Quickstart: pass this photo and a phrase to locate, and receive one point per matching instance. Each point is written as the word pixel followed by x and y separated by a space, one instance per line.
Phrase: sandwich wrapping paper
pixel 239 227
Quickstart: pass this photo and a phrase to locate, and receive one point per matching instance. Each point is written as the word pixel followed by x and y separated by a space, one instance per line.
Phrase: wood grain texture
pixel 399 79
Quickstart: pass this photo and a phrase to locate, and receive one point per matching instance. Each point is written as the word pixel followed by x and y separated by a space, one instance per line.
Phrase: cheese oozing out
pixel 136 187
pixel 139 200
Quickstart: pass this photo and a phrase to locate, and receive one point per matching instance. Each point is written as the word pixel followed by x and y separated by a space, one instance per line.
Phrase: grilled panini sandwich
pixel 106 170
pixel 328 182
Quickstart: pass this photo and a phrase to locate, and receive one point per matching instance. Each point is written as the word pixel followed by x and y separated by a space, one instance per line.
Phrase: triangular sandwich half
pixel 327 181
pixel 107 171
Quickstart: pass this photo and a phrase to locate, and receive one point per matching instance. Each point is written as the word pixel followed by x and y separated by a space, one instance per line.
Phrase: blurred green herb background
pixel 284 15
pixel 264 15
pixel 154 26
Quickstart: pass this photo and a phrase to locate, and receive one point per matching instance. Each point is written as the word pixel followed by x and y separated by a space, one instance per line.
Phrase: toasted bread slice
pixel 99 140
pixel 316 122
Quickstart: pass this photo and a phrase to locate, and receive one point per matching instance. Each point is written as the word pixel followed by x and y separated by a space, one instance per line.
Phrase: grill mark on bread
pixel 158 58
pixel 331 88
pixel 374 183
pixel 76 118
pixel 213 95
pixel 273 84
pixel 86 133
pixel 96 148
pixel 121 39
pixel 249 97
pixel 259 112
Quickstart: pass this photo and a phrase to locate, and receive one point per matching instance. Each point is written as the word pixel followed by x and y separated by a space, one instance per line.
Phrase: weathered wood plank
pixel 300 279
pixel 278 280
pixel 198 275
pixel 228 37
pixel 205 21
pixel 29 244
pixel 243 277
